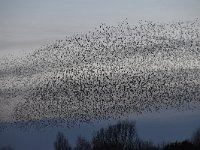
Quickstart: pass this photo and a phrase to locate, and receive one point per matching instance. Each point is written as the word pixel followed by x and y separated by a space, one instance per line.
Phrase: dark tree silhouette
pixel 61 142
pixel 82 144
pixel 147 145
pixel 196 138
pixel 184 145
pixel 117 137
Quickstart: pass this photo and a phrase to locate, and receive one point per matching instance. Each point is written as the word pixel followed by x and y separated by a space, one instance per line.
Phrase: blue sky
pixel 157 127
pixel 27 25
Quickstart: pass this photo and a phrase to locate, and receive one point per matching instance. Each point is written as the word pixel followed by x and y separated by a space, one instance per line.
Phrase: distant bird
pixel 110 72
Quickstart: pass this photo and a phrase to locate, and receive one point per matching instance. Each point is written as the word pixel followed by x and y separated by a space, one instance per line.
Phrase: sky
pixel 156 127
pixel 26 25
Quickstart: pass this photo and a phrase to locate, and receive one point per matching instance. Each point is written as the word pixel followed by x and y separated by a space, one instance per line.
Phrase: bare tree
pixel 184 145
pixel 122 136
pixel 196 138
pixel 61 142
pixel 82 144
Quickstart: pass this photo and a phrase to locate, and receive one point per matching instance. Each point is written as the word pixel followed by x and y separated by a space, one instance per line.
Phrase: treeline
pixel 121 136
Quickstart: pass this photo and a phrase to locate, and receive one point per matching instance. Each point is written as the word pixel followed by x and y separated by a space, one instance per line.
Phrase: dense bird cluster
pixel 110 72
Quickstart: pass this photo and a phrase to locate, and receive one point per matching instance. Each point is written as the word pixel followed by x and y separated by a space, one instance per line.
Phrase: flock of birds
pixel 108 73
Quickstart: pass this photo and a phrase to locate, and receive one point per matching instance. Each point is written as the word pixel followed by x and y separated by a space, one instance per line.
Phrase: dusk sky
pixel 26 25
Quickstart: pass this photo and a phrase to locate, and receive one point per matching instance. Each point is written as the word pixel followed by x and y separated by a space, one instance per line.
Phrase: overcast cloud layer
pixel 26 25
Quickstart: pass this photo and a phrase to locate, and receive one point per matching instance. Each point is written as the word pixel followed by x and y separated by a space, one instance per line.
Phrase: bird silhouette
pixel 107 73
